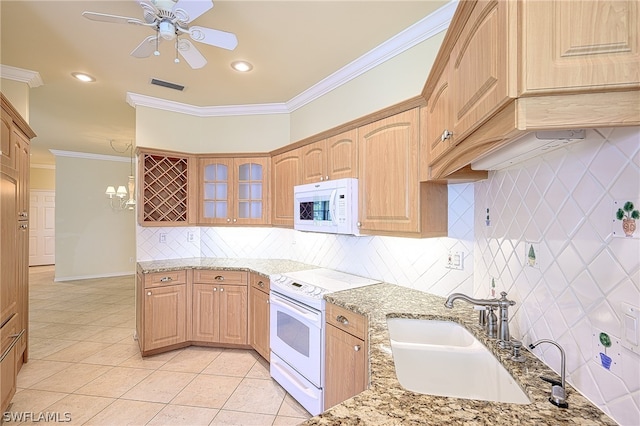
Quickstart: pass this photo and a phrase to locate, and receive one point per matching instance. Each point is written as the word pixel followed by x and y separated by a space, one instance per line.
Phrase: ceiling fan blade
pixel 104 17
pixel 146 48
pixel 190 54
pixel 189 10
pixel 213 37
pixel 150 11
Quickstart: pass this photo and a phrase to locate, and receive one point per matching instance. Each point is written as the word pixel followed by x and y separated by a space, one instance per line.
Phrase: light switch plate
pixel 455 260
pixel 630 331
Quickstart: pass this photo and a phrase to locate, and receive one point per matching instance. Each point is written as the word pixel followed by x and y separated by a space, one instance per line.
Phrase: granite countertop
pixel 386 402
pixel 264 267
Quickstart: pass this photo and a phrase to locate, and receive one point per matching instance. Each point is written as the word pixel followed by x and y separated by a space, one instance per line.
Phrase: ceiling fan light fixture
pixel 241 66
pixel 86 78
pixel 167 30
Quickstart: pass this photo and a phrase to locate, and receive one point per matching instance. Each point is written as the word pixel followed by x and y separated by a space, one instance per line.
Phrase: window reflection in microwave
pixel 314 210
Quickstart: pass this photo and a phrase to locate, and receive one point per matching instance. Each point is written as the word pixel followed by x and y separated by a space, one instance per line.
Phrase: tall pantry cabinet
pixel 14 249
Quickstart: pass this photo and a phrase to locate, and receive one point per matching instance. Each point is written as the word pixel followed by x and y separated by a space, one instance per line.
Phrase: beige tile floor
pixel 83 361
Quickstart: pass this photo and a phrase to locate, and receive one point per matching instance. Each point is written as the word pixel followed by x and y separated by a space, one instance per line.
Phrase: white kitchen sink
pixel 443 358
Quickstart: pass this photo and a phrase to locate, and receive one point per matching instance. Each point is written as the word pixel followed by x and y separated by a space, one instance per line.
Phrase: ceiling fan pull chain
pixel 157 51
pixel 177 60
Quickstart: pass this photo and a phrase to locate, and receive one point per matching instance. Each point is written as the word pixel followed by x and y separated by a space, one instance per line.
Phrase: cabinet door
pixel 314 162
pixel 259 315
pixel 286 175
pixel 345 366
pixel 251 191
pixel 233 314
pixel 342 155
pixel 205 313
pixel 216 190
pixel 583 45
pixel 388 185
pixel 165 316
pixel 9 228
pixel 8 366
pixel 7 147
pixel 479 65
pixel 436 139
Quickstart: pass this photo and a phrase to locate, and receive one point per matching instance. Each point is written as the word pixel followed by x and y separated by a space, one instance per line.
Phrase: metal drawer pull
pixel 219 278
pixel 342 319
pixel 6 321
pixel 446 135
pixel 23 226
pixel 260 284
pixel 23 214
pixel 166 279
pixel 15 337
pixel 356 348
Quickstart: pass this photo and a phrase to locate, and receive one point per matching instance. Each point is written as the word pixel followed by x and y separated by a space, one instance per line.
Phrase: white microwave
pixel 330 206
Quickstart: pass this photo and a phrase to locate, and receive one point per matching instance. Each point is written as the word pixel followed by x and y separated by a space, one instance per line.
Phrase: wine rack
pixel 165 189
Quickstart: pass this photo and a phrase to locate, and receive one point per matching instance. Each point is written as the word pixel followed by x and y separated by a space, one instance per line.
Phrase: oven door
pixel 296 336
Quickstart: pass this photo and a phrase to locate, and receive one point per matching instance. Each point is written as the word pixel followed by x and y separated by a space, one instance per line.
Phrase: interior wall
pixel 42 177
pixel 17 93
pixel 92 240
pixel 369 92
pixel 565 203
pixel 187 133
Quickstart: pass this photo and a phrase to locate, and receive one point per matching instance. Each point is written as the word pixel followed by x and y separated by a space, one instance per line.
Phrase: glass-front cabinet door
pixel 233 191
pixel 251 190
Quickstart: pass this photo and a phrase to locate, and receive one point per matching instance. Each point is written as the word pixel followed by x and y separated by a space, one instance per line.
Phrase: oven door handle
pixel 300 385
pixel 277 301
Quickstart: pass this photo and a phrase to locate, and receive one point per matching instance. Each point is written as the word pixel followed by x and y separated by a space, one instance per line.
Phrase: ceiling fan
pixel 170 19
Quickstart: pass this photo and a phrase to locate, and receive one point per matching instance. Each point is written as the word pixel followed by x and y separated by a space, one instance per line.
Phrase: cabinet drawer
pixel 205 276
pixel 8 332
pixel 346 320
pixel 260 283
pixel 156 279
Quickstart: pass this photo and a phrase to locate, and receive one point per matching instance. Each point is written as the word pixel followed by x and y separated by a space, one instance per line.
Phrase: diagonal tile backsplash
pixel 564 203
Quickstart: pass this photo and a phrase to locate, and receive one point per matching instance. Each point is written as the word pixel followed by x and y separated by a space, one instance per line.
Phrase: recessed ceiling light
pixel 241 66
pixel 83 77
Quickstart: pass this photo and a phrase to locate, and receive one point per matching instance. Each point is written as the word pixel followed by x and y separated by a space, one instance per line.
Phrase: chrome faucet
pixel 504 338
pixel 558 393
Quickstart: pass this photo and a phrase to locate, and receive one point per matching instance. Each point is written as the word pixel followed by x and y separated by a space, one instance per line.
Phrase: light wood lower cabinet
pixel 259 314
pixel 346 355
pixel 220 307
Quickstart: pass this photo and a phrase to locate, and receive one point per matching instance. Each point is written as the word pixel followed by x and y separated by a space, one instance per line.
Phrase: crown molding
pixel 87 156
pixel 32 78
pixel 135 100
pixel 422 30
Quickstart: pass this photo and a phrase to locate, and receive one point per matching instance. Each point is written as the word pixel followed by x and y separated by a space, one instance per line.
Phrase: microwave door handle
pixel 332 205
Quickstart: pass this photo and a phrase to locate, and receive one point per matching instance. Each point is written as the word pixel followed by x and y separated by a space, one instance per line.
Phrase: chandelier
pixel 118 197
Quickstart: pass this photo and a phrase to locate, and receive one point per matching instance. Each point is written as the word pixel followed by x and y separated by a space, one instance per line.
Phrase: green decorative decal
pixel 605 340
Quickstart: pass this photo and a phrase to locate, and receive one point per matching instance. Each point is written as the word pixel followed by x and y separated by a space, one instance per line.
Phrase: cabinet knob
pixel 215 289
pixel 446 135
pixel 326 178
pixel 260 284
pixel 221 289
pixel 342 319
pixel 219 278
pixel 235 220
pixel 148 293
pixel 228 220
pixel 321 178
pixel 356 348
pixel 359 224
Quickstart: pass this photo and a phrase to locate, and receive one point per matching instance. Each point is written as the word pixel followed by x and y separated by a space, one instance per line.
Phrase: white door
pixel 42 247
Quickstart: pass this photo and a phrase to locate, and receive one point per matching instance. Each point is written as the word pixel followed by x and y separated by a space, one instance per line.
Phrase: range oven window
pixel 314 210
pixel 293 333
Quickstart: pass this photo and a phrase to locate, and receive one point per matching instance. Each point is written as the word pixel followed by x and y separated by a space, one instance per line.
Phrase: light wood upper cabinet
pixel 233 191
pixel 583 45
pixel 392 200
pixel 436 135
pixel 511 67
pixel 287 173
pixel 331 158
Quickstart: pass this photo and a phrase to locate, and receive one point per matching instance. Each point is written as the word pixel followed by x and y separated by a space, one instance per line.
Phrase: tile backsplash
pixel 562 202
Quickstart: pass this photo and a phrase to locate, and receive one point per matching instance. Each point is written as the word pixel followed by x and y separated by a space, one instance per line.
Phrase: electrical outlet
pixel 455 260
pixel 163 237
pixel 191 236
pixel 131 260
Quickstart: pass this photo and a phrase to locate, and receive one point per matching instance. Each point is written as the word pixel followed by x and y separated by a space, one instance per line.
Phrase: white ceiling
pixel 293 45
